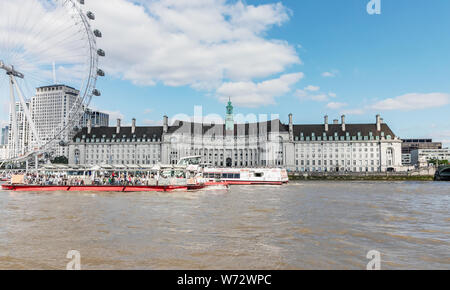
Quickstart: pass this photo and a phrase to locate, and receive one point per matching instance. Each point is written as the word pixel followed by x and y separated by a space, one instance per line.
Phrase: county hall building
pixel 326 147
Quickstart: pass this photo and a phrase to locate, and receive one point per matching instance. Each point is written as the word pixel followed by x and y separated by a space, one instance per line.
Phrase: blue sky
pixel 334 59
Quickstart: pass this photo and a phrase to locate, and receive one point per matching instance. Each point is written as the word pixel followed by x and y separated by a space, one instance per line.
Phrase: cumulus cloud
pixel 354 112
pixel 330 74
pixel 414 101
pixel 336 105
pixel 113 116
pixel 312 93
pixel 251 94
pixel 312 88
pixel 34 34
pixel 200 43
pixel 442 136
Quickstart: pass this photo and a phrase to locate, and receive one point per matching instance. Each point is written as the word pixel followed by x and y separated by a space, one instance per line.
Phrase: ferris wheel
pixel 48 72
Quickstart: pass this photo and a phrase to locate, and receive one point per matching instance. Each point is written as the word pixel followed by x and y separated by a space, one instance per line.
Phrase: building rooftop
pixel 110 132
pixel 55 86
pixel 245 129
pixel 351 129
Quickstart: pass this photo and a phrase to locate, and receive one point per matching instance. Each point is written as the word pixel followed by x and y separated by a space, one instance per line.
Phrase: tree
pixel 60 160
pixel 438 162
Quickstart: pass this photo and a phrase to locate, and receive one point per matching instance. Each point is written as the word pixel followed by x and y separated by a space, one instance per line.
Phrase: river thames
pixel 303 225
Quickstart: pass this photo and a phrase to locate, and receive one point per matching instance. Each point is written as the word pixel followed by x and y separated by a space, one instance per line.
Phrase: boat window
pixel 259 174
pixel 237 176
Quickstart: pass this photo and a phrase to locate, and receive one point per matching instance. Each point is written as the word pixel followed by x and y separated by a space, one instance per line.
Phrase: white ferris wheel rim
pixel 87 87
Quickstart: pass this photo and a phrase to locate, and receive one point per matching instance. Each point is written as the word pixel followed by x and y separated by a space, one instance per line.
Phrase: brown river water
pixel 305 225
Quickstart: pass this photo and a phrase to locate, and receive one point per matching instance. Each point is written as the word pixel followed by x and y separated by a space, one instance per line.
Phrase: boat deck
pixel 109 188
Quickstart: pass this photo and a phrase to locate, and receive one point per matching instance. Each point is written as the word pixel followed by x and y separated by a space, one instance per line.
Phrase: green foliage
pixel 438 162
pixel 60 160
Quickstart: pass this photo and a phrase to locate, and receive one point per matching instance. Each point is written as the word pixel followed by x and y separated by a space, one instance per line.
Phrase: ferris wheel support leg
pixel 14 129
pixel 27 111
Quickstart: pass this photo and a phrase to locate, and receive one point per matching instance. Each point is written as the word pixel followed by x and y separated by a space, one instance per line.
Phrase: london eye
pixel 45 44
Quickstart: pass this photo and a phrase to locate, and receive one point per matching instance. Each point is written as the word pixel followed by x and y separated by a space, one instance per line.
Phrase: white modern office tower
pixel 4 137
pixel 50 111
pixel 18 143
pixel 3 152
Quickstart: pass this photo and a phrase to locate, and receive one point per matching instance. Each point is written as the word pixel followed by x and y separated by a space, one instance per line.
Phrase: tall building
pixel 4 136
pixel 50 110
pixel 97 118
pixel 410 145
pixel 308 148
pixel 3 152
pixel 19 134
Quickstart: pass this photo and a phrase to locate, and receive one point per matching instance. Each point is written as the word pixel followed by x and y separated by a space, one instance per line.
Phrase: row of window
pixel 335 162
pixel 337 169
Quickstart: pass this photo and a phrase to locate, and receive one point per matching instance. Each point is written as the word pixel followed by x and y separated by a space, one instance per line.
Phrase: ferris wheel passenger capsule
pixel 98 33
pixel 81 2
pixel 90 15
pixel 96 92
pixel 100 73
pixel 101 52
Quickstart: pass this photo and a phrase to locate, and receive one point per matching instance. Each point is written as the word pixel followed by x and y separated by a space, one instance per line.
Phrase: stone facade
pixel 306 148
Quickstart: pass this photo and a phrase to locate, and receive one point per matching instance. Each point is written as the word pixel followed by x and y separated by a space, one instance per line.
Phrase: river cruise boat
pixel 108 178
pixel 239 176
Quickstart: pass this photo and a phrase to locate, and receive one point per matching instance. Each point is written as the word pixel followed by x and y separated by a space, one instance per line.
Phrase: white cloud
pixel 251 94
pixel 414 101
pixel 113 116
pixel 199 43
pixel 442 136
pixel 330 74
pixel 312 88
pixel 331 94
pixel 148 122
pixel 336 105
pixel 148 111
pixel 312 93
pixel 41 34
pixel 354 112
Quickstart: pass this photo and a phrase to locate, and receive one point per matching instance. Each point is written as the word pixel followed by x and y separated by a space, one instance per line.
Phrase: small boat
pixel 240 176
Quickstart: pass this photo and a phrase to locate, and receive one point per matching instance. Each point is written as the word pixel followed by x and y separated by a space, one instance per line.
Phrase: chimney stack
pixel 133 126
pixel 326 123
pixel 118 126
pixel 378 123
pixel 165 124
pixel 343 122
pixel 89 126
pixel 335 122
